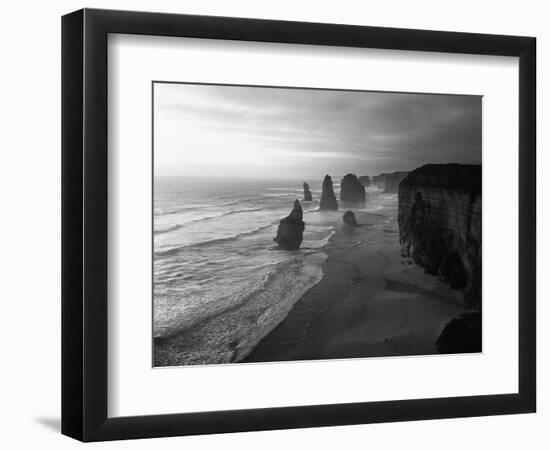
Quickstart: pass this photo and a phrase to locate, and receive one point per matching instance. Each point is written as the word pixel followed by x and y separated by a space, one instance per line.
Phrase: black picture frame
pixel 84 224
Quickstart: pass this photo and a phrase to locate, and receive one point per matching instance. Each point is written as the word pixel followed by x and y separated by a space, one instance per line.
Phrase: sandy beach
pixel 372 301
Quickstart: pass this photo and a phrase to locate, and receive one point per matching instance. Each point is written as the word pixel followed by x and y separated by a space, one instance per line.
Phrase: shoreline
pixel 371 301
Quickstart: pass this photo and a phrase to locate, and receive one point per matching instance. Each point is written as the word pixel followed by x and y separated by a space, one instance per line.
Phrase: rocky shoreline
pixel 440 224
pixel 424 265
pixel 372 301
pixel 402 276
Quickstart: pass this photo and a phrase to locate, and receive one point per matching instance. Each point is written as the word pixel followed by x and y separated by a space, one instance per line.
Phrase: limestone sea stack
pixel 328 199
pixel 439 220
pixel 349 219
pixel 307 193
pixel 291 229
pixel 365 180
pixel 352 190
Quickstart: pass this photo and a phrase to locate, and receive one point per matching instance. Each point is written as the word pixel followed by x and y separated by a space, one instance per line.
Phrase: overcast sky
pixel 289 133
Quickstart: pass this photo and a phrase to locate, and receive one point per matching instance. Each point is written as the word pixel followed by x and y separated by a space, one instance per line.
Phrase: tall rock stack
pixel 307 193
pixel 291 229
pixel 352 190
pixel 440 224
pixel 328 199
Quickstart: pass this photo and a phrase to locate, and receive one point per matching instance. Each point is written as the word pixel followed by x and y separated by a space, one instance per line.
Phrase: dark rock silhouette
pixel 352 190
pixel 439 219
pixel 307 193
pixel 349 219
pixel 388 182
pixel 291 229
pixel 328 199
pixel 365 180
pixel 461 335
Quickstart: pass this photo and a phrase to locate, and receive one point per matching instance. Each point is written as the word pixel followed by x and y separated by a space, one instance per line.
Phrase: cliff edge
pixel 388 182
pixel 439 216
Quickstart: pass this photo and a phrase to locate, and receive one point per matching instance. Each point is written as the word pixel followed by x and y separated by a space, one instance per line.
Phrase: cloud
pixel 310 131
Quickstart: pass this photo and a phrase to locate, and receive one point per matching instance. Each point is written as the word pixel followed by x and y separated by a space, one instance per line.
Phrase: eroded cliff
pixel 389 182
pixel 440 224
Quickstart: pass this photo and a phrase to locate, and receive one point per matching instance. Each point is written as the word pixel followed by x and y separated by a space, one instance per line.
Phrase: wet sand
pixel 372 301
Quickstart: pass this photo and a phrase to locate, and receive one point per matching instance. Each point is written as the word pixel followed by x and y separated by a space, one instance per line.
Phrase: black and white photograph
pixel 296 224
pixel 275 225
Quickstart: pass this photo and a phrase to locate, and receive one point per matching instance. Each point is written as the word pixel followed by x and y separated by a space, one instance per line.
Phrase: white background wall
pixel 30 223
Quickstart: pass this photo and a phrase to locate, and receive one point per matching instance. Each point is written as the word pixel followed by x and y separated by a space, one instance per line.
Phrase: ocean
pixel 219 280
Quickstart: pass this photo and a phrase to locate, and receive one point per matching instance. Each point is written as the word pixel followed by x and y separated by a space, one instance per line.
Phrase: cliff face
pixel 328 199
pixel 291 229
pixel 393 180
pixel 389 182
pixel 352 190
pixel 307 193
pixel 440 224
